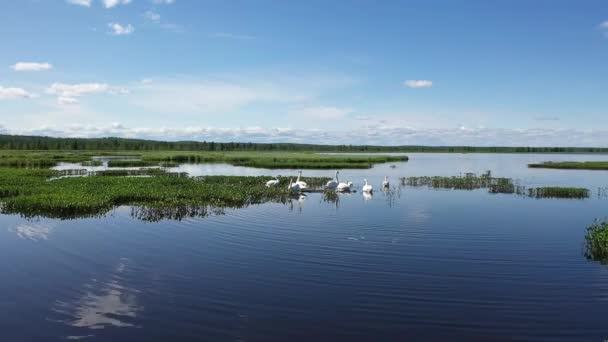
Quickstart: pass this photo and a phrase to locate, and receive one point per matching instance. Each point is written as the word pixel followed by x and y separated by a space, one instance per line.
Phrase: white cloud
pixel 152 16
pixel 13 93
pixel 112 3
pixel 120 30
pixel 31 66
pixel 86 3
pixel 68 93
pixel 164 2
pixel 418 83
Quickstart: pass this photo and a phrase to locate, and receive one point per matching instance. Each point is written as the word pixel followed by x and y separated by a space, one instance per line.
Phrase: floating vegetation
pixel 558 192
pixel 596 242
pixel 572 165
pixel 29 193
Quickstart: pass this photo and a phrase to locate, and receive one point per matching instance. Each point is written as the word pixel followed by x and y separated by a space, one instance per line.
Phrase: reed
pixel 596 242
pixel 570 165
pixel 131 163
pixel 559 192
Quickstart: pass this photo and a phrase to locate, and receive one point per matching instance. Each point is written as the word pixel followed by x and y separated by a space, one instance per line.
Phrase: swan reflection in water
pixel 103 305
pixel 368 196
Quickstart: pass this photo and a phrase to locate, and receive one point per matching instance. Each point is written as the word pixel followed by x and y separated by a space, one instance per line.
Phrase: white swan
pixel 367 187
pixel 344 187
pixel 333 184
pixel 273 182
pixel 293 187
pixel 302 184
pixel 385 184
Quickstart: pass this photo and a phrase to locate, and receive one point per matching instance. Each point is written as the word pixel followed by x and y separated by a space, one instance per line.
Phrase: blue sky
pixel 393 72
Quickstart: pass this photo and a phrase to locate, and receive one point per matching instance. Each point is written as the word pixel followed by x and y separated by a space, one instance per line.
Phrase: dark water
pixel 409 264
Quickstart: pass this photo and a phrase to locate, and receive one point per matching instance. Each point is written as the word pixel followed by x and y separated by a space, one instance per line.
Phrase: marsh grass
pixel 131 163
pixel 277 160
pixel 559 192
pixel 571 165
pixel 496 186
pixel 596 242
pixel 91 163
pixel 269 160
pixel 29 193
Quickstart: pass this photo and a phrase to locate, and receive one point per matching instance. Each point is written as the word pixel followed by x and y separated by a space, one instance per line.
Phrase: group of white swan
pixel 334 184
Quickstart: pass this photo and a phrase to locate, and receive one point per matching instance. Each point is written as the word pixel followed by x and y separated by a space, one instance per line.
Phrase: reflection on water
pixel 368 196
pixel 33 230
pixel 104 304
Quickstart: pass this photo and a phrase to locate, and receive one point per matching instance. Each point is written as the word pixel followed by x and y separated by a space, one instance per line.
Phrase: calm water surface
pixel 408 264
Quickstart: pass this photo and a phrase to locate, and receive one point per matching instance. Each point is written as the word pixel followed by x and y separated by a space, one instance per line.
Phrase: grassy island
pixel 571 165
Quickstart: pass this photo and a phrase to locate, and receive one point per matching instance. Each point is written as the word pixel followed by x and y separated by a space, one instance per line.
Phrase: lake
pixel 411 263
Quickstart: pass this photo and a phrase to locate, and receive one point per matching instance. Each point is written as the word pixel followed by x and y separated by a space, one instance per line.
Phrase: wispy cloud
pixel 113 3
pixel 226 35
pixel 13 93
pixel 117 29
pixel 31 66
pixel 163 2
pixel 68 93
pixel 86 3
pixel 604 27
pixel 152 16
pixel 418 83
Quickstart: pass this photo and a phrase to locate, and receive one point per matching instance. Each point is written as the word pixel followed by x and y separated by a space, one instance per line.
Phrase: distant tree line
pixel 19 142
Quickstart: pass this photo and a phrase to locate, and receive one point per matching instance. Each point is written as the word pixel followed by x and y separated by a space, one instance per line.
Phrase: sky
pixel 452 72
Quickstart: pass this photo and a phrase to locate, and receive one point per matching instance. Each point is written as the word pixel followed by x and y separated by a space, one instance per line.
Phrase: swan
pixel 302 184
pixel 273 182
pixel 385 184
pixel 293 187
pixel 333 184
pixel 367 187
pixel 344 187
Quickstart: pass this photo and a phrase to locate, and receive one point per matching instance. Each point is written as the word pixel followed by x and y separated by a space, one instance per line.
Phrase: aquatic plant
pixel 558 192
pixel 596 242
pixel 28 192
pixel 131 163
pixel 572 165
pixel 468 182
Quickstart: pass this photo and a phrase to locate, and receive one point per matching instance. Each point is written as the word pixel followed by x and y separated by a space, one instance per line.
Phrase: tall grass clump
pixel 596 242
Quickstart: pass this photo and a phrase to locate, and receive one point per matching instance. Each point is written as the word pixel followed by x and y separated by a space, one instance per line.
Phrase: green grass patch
pixel 29 192
pixel 596 242
pixel 571 165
